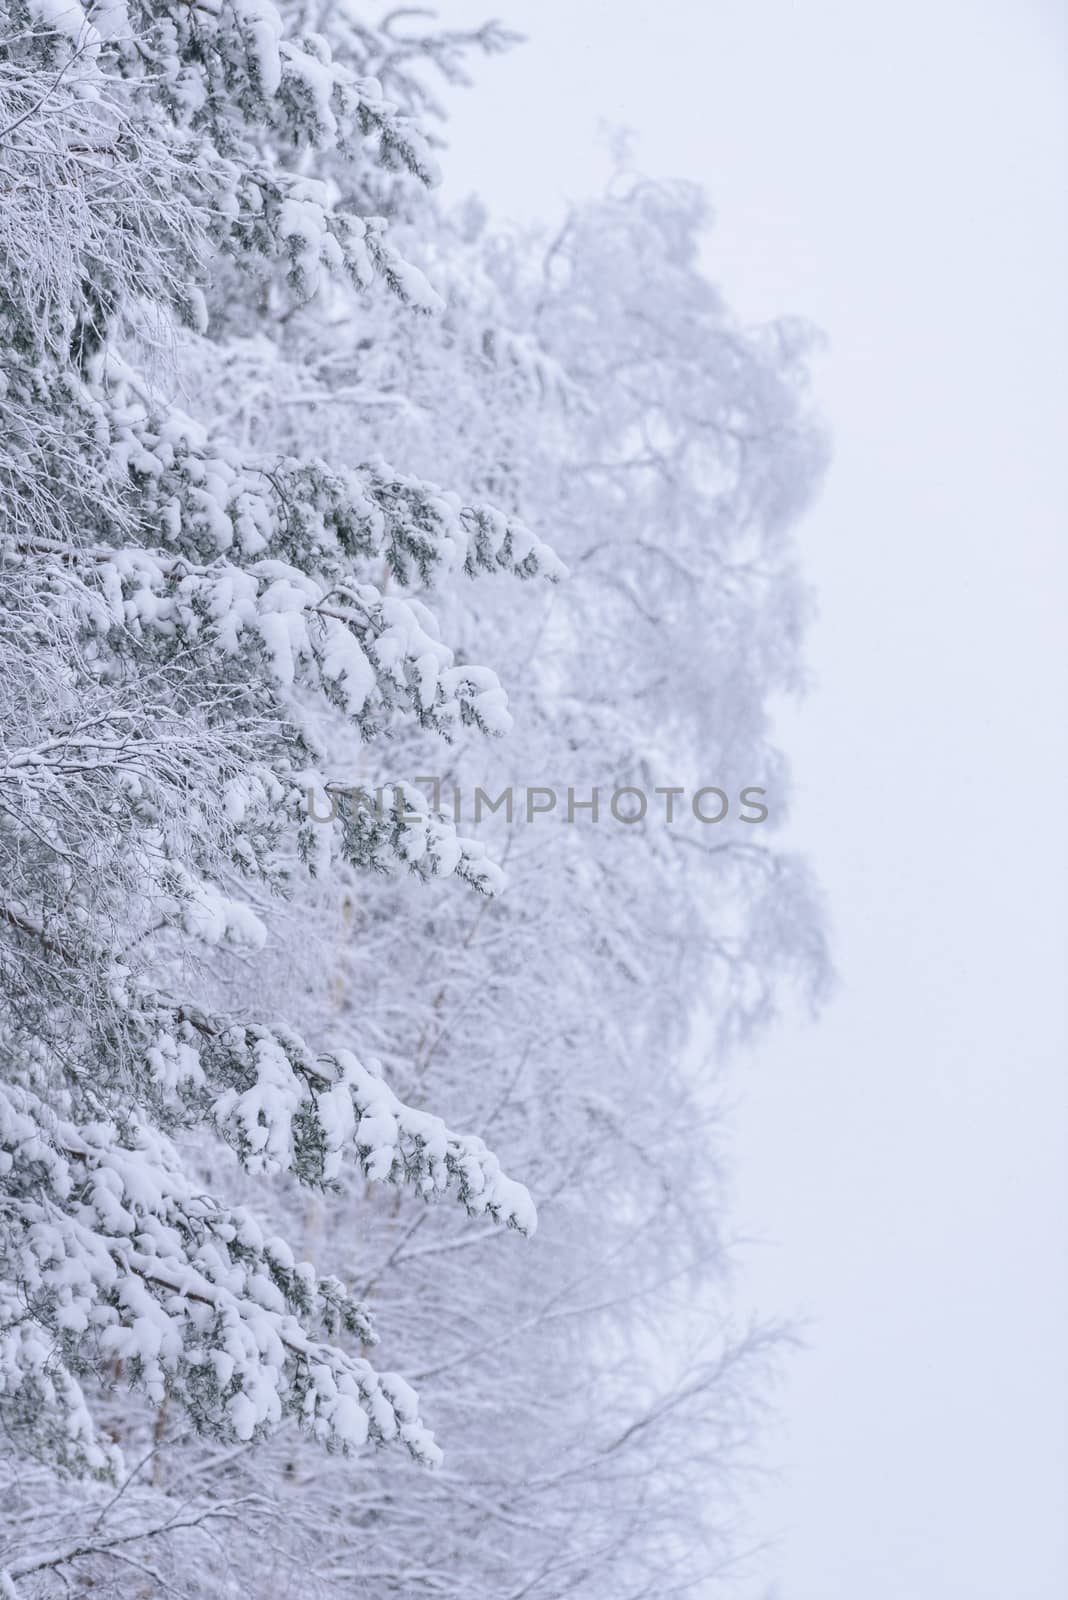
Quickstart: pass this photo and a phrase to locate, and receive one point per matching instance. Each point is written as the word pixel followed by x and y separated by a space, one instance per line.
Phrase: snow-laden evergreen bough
pixel 191 629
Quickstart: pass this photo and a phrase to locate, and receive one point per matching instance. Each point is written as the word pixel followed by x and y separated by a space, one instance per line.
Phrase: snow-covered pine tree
pixel 592 1395
pixel 596 1400
pixel 189 629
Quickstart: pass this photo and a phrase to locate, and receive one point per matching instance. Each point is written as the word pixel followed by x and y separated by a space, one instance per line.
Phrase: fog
pixel 896 175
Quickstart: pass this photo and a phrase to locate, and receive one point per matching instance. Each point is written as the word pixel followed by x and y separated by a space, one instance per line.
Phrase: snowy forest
pixel 363 1209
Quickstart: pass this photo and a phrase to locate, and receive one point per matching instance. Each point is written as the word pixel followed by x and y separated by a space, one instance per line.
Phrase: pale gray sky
pixel 897 173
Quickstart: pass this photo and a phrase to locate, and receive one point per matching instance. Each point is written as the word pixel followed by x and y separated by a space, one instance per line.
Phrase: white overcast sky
pixel 896 172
